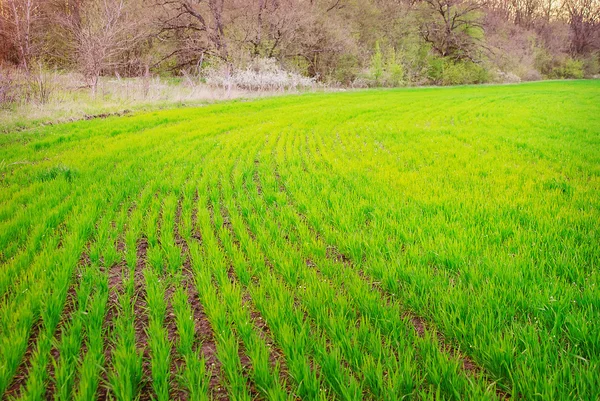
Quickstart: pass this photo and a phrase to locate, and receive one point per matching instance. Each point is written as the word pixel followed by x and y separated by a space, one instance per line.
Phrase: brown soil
pixel 177 362
pixel 297 305
pixel 276 356
pixel 20 377
pixel 106 115
pixel 280 183
pixel 115 288
pixel 256 177
pixel 70 307
pixel 278 179
pixel 231 274
pixel 195 230
pixel 141 318
pixel 334 254
pixel 121 245
pixel 204 332
pixel 206 342
pixel 420 325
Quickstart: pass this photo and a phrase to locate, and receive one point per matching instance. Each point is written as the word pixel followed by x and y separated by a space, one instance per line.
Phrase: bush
pixel 446 72
pixel 543 60
pixel 531 75
pixel 555 67
pixel 568 69
pixel 591 65
pixel 415 56
pixel 261 75
pixel 18 87
pixel 347 69
pixel 9 88
pixel 463 73
pixel 376 69
pixel 385 69
pixel 41 85
pixel 507 77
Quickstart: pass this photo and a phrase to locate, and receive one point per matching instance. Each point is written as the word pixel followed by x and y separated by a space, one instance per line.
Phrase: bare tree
pixel 452 27
pixel 17 19
pixel 97 33
pixel 525 12
pixel 198 26
pixel 584 21
pixel 550 10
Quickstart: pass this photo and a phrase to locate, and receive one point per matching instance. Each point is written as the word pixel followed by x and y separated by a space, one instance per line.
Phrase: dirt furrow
pixel 314 366
pixel 22 374
pixel 276 357
pixel 140 314
pixel 195 229
pixel 115 289
pixel 256 178
pixel 242 354
pixel 66 317
pixel 420 325
pixel 117 275
pixel 205 337
pixel 177 362
pixel 20 378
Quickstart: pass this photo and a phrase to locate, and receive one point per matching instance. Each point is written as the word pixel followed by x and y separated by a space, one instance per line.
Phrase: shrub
pixel 18 87
pixel 9 90
pixel 347 69
pixel 568 69
pixel 446 72
pixel 435 70
pixel 591 65
pixel 531 75
pixel 572 69
pixel 261 75
pixel 557 67
pixel 507 77
pixel 377 65
pixel 41 85
pixel 385 68
pixel 394 69
pixel 415 56
pixel 543 60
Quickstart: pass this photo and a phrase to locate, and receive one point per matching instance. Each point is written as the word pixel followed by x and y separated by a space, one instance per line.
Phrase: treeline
pixel 342 42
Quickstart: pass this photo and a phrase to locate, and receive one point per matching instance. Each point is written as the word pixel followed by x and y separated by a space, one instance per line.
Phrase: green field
pixel 439 243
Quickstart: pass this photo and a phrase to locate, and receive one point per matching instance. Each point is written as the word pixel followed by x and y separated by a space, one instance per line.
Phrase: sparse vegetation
pixel 70 100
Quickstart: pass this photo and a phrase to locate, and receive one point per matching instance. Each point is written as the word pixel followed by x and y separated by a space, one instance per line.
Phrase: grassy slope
pixel 474 208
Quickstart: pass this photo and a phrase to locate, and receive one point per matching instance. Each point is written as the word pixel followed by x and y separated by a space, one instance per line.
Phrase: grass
pixel 437 243
pixel 70 99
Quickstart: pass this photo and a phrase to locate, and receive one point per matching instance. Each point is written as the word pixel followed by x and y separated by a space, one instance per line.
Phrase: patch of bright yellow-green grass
pixel 438 243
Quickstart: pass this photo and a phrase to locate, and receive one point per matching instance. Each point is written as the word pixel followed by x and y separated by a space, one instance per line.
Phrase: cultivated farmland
pixel 382 245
